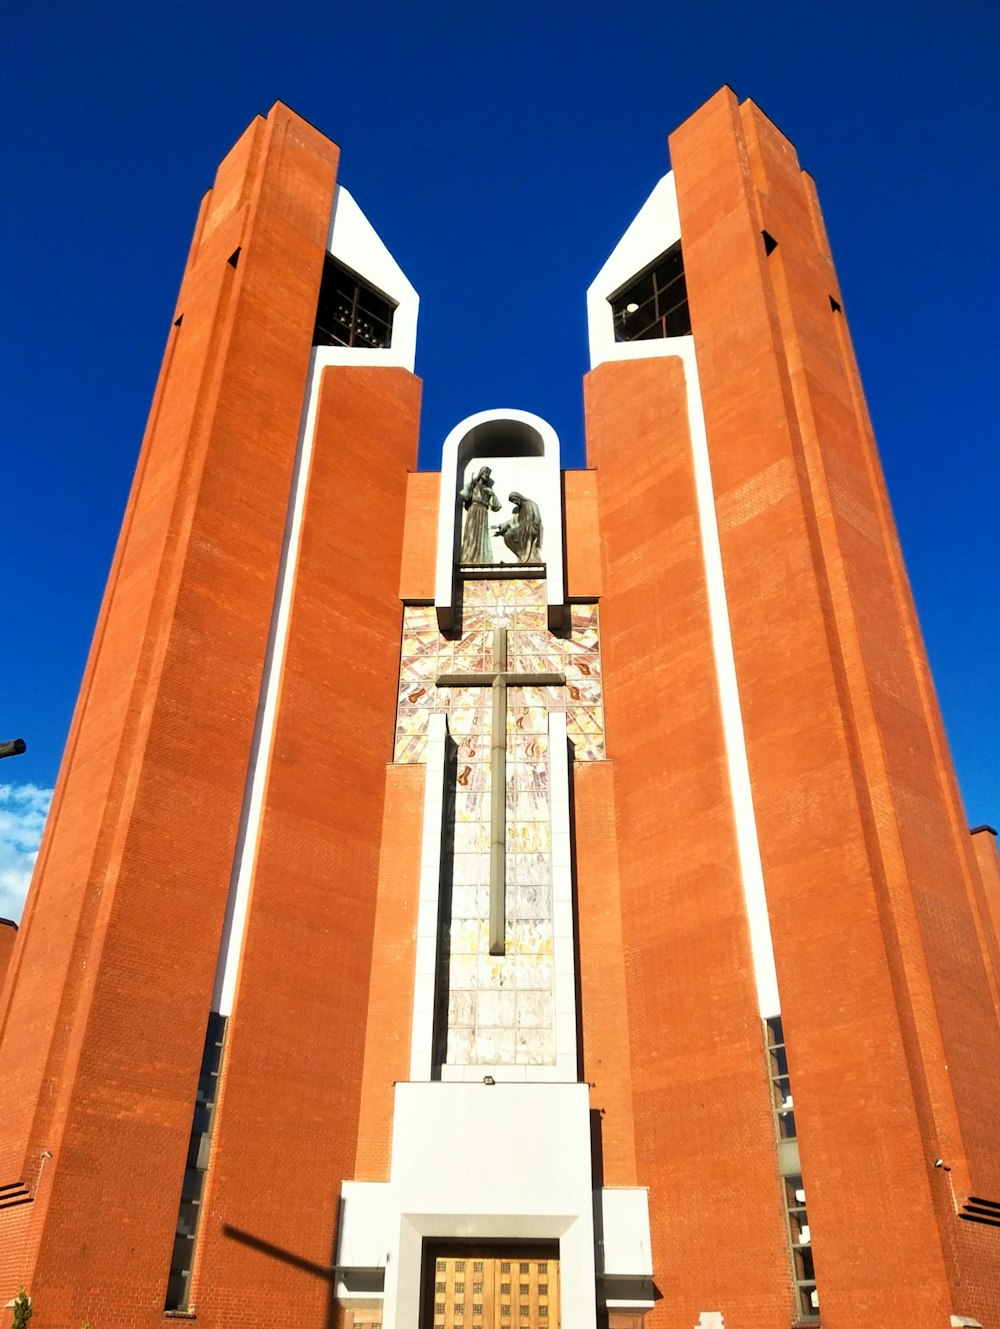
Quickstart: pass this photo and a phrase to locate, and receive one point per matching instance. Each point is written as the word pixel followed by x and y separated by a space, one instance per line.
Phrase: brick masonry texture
pixel 984 844
pixel 697 1057
pixel 8 936
pixel 420 536
pixel 105 1028
pixel 888 993
pixel 287 1122
pixel 885 912
pixel 390 998
pixel 103 1034
pixel 582 541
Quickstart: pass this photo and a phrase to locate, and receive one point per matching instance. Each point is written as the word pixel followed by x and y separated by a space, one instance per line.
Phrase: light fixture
pixel 488 1079
pixel 631 308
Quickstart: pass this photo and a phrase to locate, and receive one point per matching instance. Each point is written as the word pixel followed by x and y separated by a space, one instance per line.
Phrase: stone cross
pixel 500 680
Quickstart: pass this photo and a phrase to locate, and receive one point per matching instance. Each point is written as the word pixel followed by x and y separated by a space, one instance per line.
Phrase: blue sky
pixel 500 150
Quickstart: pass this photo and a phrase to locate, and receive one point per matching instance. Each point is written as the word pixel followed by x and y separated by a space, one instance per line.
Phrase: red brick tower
pixel 801 852
pixel 182 781
pixel 506 896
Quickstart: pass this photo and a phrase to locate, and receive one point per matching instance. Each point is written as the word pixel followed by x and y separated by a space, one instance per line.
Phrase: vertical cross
pixel 500 680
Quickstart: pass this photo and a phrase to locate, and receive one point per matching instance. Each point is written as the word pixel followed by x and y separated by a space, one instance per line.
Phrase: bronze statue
pixel 523 533
pixel 479 499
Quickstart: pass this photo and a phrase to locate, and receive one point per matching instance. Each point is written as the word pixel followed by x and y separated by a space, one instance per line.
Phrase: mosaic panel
pixel 498 1010
pixel 519 605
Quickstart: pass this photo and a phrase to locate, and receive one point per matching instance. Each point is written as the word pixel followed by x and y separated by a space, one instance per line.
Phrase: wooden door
pixel 478 1289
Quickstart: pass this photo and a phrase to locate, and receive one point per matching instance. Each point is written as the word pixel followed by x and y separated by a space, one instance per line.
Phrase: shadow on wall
pixel 325 1271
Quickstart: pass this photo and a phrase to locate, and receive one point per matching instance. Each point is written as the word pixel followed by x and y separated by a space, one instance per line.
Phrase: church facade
pixel 507 897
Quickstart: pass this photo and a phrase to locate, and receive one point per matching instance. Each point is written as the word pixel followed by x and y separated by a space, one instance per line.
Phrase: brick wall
pixel 8 937
pixel 286 1126
pixel 877 929
pixel 704 1139
pixel 102 1043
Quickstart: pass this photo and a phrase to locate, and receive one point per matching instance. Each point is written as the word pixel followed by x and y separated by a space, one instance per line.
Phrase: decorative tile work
pixel 519 605
pixel 498 1010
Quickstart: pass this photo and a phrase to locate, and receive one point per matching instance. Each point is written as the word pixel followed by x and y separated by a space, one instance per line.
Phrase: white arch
pixel 523 438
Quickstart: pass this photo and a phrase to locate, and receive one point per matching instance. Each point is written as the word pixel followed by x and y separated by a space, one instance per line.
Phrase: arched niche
pixel 523 452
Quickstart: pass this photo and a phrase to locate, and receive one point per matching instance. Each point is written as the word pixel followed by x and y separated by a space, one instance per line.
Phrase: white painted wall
pixel 563 940
pixel 655 228
pixel 624 1254
pixel 491 1162
pixel 354 242
pixel 429 903
pixel 487 1161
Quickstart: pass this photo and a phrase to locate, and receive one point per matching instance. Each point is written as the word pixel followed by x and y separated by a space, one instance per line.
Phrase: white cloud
pixel 23 809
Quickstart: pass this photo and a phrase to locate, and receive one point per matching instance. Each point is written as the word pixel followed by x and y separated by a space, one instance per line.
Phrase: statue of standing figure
pixel 479 500
pixel 523 533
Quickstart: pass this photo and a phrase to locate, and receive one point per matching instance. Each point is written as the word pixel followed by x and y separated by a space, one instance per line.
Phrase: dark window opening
pixel 178 320
pixel 804 1273
pixel 350 313
pixel 654 304
pixel 835 305
pixel 770 244
pixel 233 258
pixel 799 1236
pixel 199 1145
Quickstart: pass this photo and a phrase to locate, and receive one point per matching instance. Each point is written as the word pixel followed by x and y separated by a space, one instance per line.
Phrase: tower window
pixel 802 1259
pixel 654 304
pixel 199 1147
pixel 351 313
pixel 799 1237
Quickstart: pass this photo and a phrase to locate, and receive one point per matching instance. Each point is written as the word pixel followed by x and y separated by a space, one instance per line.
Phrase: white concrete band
pixel 655 229
pixel 563 941
pixel 245 857
pixel 745 821
pixel 429 903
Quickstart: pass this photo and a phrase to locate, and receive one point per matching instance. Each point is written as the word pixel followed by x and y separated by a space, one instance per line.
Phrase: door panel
pixel 480 1289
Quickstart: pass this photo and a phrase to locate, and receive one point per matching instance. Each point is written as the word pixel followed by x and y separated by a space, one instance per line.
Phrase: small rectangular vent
pixel 14 1193
pixel 977 1210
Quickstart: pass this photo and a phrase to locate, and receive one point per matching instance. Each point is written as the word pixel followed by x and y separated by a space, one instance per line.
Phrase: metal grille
pixel 351 313
pixel 655 303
